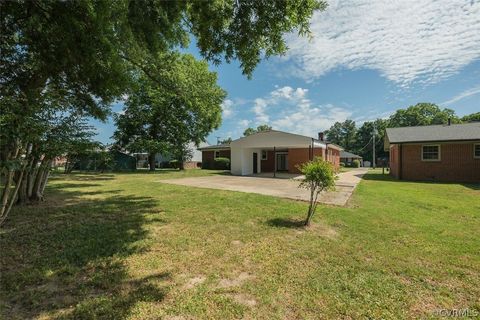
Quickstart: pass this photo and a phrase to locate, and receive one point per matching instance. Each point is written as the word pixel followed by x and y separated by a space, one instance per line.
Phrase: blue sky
pixel 365 60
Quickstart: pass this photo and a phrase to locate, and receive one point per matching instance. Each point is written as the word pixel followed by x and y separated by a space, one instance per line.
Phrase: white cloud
pixel 465 94
pixel 244 123
pixel 227 109
pixel 285 94
pixel 406 41
pixel 290 110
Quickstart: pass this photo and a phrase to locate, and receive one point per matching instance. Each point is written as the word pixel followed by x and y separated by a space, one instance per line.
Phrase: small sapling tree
pixel 319 176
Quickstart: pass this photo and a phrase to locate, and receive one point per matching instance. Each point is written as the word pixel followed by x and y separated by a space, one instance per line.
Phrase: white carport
pixel 248 150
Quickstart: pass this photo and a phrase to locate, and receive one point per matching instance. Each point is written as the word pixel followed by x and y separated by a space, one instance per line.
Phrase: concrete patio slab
pixel 281 187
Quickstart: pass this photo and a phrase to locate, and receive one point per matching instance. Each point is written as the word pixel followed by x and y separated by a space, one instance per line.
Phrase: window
pixel 264 154
pixel 217 154
pixel 476 150
pixel 431 153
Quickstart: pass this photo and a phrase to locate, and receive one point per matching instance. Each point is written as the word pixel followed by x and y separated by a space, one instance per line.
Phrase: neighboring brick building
pixel 435 153
pixel 210 153
pixel 272 151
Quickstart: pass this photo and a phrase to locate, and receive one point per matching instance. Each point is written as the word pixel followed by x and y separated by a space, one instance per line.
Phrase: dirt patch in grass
pixel 237 243
pixel 193 282
pixel 244 299
pixel 321 229
pixel 235 282
pixel 179 317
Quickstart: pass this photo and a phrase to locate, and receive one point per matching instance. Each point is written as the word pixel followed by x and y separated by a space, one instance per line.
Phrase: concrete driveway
pixel 277 187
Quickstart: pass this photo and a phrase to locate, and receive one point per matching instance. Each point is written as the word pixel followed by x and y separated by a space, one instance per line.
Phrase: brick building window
pixel 264 154
pixel 476 150
pixel 217 154
pixel 431 153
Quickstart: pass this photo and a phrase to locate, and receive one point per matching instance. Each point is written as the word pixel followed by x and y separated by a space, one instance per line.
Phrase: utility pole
pixel 374 134
pixel 218 140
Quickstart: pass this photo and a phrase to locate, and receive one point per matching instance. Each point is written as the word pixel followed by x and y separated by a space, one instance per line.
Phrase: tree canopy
pixel 92 52
pixel 359 140
pixel 471 117
pixel 342 133
pixel 158 120
pixel 260 128
pixel 422 114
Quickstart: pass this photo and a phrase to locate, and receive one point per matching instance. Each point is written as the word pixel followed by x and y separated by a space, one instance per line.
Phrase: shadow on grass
pixel 380 177
pixel 472 186
pixel 67 261
pixel 84 176
pixel 286 223
pixel 387 177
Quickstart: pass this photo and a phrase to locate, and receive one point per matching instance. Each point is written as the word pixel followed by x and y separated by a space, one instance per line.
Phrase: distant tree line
pixel 359 140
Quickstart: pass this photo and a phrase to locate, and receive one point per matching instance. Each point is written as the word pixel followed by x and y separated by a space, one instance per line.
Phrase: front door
pixel 255 162
pixel 282 162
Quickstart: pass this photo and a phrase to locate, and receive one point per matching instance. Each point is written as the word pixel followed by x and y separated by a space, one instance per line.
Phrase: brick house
pixel 435 153
pixel 273 151
pixel 210 153
pixel 348 157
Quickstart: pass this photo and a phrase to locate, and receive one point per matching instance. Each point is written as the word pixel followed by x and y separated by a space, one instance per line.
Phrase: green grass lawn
pixel 126 246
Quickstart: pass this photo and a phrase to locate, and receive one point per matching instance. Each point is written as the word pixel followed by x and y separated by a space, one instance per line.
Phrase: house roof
pixel 215 147
pixel 303 138
pixel 454 132
pixel 346 154
pixel 307 139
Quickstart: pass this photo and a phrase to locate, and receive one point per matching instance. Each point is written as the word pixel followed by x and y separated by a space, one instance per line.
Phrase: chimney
pixel 320 136
pixel 449 121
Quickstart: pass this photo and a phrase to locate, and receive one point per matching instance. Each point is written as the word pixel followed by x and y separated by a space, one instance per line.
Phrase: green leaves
pixel 260 128
pixel 422 114
pixel 319 175
pixel 164 116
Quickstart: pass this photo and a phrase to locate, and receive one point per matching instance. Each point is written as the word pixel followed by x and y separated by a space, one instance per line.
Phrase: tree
pixel 343 134
pixel 422 114
pixel 225 141
pixel 471 117
pixel 364 139
pixel 114 42
pixel 159 120
pixel 260 128
pixel 319 176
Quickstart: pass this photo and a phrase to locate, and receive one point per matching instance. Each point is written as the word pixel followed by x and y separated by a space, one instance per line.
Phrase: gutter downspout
pixel 274 162
pixel 400 161
pixel 311 151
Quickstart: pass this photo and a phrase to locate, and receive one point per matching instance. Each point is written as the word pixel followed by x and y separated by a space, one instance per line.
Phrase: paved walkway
pixel 277 187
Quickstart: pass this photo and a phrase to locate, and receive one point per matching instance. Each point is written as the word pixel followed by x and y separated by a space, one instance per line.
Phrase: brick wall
pixel 334 157
pixel 191 164
pixel 208 158
pixel 269 164
pixel 301 155
pixel 394 161
pixel 457 163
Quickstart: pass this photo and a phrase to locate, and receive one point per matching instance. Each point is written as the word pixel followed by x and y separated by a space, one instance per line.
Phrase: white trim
pixel 474 146
pixel 432 145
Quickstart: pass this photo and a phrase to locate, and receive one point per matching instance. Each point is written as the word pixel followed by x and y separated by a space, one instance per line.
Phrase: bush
pixel 342 164
pixel 175 164
pixel 356 163
pixel 222 164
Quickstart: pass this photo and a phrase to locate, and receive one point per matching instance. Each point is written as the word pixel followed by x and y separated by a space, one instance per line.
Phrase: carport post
pixel 274 162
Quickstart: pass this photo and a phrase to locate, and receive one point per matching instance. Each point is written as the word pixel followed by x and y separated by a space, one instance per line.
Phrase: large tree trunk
pixel 151 161
pixel 42 174
pixel 6 194
pixel 22 192
pixel 9 196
